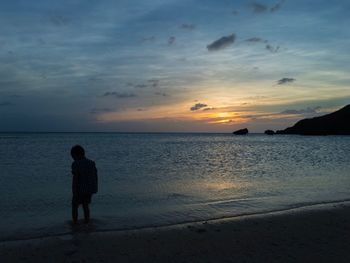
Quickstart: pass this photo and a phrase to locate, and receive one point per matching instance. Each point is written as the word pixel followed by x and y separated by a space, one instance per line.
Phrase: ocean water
pixel 161 179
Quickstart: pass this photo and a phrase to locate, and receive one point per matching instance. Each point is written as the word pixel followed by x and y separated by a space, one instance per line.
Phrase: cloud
pixel 235 12
pixel 256 40
pixel 6 103
pixel 198 106
pixel 277 6
pixel 188 26
pixel 308 110
pixel 119 95
pixel 222 43
pixel 161 94
pixel 100 110
pixel 140 109
pixel 206 109
pixel 154 82
pixel 272 49
pixel 268 47
pixel 285 81
pixel 151 83
pixel 258 8
pixel 171 40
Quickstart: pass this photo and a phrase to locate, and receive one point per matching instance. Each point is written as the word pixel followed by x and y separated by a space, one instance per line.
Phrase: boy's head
pixel 77 152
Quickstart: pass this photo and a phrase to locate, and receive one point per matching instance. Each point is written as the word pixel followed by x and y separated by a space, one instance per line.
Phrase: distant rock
pixel 269 132
pixel 241 132
pixel 336 123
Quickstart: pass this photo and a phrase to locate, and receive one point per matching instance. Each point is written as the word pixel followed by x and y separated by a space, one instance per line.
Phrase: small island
pixel 241 132
pixel 269 132
pixel 336 123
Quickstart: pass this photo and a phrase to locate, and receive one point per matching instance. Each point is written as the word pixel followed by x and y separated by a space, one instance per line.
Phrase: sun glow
pixel 225 115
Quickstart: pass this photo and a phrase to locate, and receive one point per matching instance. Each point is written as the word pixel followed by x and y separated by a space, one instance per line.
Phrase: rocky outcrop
pixel 336 123
pixel 269 132
pixel 241 132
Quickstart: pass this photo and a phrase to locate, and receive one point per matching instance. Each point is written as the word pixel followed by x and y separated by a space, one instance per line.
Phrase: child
pixel 84 182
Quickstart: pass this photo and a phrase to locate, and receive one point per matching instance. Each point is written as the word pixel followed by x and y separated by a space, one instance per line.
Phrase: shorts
pixel 81 199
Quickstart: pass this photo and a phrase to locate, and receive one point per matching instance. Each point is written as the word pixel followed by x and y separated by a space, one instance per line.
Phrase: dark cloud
pixel 259 8
pixel 198 106
pixel 151 83
pixel 235 13
pixel 303 111
pixel 94 78
pixel 171 40
pixel 188 26
pixel 161 94
pixel 222 43
pixel 100 110
pixel 154 82
pixel 268 47
pixel 119 95
pixel 285 81
pixel 6 103
pixel 272 49
pixel 206 109
pixel 140 109
pixel 277 6
pixel 256 40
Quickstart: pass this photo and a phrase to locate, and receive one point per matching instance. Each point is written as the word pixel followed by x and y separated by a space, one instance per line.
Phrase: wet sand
pixel 312 234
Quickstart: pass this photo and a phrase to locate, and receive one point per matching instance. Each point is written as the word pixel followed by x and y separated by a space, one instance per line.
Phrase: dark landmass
pixel 241 132
pixel 269 132
pixel 336 123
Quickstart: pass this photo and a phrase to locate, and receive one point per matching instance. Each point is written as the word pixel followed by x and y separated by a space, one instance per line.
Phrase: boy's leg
pixel 75 212
pixel 86 212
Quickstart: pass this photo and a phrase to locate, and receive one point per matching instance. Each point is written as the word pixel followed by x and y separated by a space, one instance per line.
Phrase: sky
pixel 171 65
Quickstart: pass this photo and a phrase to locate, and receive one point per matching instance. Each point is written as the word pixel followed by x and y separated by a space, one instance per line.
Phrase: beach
pixel 318 233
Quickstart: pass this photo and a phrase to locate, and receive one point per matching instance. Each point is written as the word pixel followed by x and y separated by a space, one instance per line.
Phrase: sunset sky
pixel 171 65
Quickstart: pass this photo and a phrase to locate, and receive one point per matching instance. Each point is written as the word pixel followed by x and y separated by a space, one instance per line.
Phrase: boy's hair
pixel 77 150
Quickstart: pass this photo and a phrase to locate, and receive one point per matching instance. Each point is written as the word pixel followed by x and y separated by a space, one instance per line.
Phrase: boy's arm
pixel 95 169
pixel 74 179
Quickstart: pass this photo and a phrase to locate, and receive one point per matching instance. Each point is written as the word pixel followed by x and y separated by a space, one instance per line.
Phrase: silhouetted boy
pixel 84 182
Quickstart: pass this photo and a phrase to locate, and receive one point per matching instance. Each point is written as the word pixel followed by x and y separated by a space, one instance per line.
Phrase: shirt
pixel 84 177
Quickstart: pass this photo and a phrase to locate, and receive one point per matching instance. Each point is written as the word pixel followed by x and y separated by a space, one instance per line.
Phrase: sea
pixel 157 179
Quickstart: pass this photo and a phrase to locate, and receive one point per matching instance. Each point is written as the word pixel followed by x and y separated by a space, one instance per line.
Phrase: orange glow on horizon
pixel 223 115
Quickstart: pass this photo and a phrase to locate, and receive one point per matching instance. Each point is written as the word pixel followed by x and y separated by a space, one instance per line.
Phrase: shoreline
pixel 91 229
pixel 319 233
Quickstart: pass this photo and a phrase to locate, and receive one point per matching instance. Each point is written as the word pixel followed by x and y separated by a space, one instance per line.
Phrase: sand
pixel 312 234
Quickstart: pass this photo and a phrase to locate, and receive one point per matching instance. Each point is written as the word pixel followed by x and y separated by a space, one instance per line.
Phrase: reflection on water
pixel 220 186
pixel 152 179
